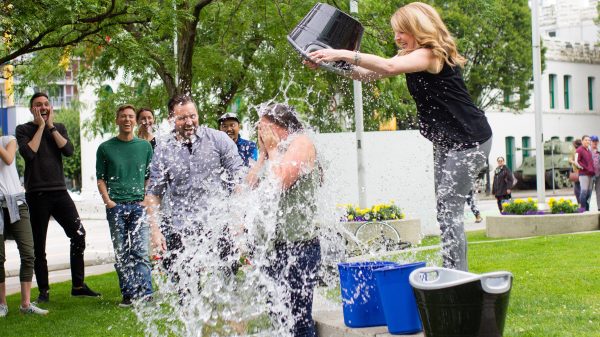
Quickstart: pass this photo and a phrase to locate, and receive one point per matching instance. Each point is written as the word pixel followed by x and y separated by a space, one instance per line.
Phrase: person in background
pixel 42 143
pixel 472 202
pixel 122 170
pixel 230 124
pixel 586 172
pixel 596 160
pixel 145 120
pixel 503 182
pixel 14 220
pixel 448 117
pixel 575 169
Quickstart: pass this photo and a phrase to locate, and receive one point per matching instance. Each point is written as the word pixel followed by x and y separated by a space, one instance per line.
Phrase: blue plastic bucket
pixel 397 298
pixel 360 297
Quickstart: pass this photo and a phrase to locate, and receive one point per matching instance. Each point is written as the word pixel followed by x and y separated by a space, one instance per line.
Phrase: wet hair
pixel 577 143
pixel 36 95
pixel 123 107
pixel 282 115
pixel 180 99
pixel 425 24
pixel 500 158
pixel 137 114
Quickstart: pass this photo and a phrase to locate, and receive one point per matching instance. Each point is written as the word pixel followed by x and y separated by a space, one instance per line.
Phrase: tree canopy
pixel 235 52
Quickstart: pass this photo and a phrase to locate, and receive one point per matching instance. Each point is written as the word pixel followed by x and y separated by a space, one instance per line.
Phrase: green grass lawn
pixel 556 292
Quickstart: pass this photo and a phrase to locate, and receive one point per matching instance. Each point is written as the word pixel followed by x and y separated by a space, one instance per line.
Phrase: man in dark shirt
pixel 42 143
pixel 230 124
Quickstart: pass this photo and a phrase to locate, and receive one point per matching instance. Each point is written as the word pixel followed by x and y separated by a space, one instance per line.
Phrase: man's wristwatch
pixel 52 129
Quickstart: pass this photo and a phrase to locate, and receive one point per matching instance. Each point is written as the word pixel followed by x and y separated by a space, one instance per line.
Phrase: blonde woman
pixel 448 117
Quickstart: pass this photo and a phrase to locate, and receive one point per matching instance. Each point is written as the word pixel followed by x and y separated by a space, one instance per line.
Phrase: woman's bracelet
pixel 356 57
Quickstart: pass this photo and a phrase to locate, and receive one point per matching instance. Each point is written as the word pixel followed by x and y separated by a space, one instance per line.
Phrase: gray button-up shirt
pixel 196 180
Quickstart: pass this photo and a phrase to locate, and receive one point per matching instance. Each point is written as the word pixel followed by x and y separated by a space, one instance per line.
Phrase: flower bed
pixel 377 218
pixel 530 207
pixel 379 212
pixel 547 223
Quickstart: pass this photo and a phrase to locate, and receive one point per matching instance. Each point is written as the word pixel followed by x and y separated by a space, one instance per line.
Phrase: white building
pixel 570 93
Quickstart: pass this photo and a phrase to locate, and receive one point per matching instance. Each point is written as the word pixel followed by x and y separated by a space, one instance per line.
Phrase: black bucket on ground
pixel 326 27
pixel 454 303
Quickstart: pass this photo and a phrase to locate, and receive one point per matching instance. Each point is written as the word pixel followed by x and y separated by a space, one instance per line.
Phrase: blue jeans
pixel 295 265
pixel 129 234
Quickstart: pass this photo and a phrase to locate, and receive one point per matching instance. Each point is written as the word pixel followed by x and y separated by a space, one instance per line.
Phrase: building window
pixel 555 138
pixel 510 152
pixel 567 83
pixel 525 143
pixel 552 33
pixel 569 138
pixel 591 93
pixel 552 83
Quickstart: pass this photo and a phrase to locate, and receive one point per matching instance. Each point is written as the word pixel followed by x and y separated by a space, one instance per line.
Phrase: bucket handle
pixel 424 275
pixel 496 282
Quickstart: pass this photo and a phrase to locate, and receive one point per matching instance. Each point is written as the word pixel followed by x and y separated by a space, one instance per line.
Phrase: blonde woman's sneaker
pixel 3 310
pixel 32 309
pixel 478 218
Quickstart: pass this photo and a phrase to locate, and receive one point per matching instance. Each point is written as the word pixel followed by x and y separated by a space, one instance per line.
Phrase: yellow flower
pixel 504 205
pixel 350 217
pixel 530 199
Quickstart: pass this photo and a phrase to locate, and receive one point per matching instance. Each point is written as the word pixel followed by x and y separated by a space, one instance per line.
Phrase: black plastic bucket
pixel 460 304
pixel 326 27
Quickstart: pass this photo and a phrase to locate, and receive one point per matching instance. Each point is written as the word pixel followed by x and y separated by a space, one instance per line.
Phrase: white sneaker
pixel 32 309
pixel 3 310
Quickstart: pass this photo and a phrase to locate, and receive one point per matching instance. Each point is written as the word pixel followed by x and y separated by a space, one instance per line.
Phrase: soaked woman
pixel 458 129
pixel 288 155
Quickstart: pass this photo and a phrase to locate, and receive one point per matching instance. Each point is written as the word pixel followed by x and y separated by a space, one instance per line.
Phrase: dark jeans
pixel 58 204
pixel 295 266
pixel 129 234
pixel 500 198
pixel 21 232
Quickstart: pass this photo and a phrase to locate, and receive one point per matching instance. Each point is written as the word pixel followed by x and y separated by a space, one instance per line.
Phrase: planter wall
pixel 409 229
pixel 517 226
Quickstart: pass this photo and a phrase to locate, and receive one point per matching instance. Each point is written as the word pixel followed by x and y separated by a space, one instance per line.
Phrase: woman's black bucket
pixel 460 304
pixel 326 27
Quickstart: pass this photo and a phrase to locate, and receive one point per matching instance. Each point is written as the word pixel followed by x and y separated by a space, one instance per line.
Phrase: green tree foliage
pixel 221 51
pixel 72 165
pixel 31 26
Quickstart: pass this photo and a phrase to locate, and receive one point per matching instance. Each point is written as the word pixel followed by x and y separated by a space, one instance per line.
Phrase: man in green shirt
pixel 122 169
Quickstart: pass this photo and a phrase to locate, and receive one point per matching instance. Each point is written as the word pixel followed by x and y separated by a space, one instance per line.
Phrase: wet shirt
pixel 247 150
pixel 194 175
pixel 447 115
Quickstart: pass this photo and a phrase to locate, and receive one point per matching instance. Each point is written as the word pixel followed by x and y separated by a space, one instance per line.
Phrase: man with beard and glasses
pixel 195 169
